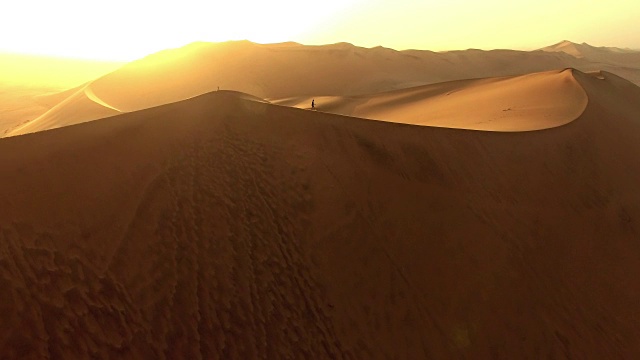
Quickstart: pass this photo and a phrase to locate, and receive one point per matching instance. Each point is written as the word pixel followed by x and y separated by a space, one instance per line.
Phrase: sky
pixel 125 30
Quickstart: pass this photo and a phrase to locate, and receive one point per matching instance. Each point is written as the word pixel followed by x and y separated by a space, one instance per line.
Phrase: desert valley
pixel 192 204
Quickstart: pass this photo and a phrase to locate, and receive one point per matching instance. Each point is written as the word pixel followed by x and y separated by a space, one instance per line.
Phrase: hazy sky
pixel 129 29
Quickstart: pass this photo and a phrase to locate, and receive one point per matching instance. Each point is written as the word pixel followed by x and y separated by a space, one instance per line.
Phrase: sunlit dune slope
pixel 623 62
pixel 623 57
pixel 31 85
pixel 521 103
pixel 222 227
pixel 18 105
pixel 83 105
pixel 278 71
pixel 50 100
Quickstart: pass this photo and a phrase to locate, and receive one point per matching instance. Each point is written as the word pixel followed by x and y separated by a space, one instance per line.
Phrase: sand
pixel 337 72
pixel 81 106
pixel 226 227
pixel 18 105
pixel 622 62
pixel 31 85
pixel 521 103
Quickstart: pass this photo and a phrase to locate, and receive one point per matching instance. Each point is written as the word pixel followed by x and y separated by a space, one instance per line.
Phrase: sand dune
pixel 612 55
pixel 224 227
pixel 50 99
pixel 521 103
pixel 622 62
pixel 88 92
pixel 18 104
pixel 32 85
pixel 80 107
pixel 278 71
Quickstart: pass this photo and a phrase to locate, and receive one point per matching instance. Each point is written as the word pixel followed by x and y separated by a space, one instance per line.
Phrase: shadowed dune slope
pixel 521 103
pixel 221 227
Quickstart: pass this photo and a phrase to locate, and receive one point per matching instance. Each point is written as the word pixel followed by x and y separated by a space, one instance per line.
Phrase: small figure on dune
pixel 313 104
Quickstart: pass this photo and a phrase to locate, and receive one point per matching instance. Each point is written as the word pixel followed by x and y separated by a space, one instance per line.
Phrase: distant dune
pixel 18 105
pixel 279 71
pixel 26 80
pixel 83 105
pixel 603 54
pixel 623 62
pixel 226 227
pixel 521 103
pixel 34 71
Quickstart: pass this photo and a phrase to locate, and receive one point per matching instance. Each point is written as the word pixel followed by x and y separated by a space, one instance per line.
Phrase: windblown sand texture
pixel 226 227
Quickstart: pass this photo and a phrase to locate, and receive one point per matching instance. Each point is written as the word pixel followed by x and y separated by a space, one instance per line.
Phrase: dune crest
pixel 88 91
pixel 520 103
pixel 83 105
pixel 226 227
pixel 286 70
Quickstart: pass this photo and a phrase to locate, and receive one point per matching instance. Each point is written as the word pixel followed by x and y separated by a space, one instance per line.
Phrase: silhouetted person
pixel 313 104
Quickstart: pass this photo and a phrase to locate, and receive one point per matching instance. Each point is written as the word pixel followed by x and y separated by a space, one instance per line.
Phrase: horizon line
pixel 7 52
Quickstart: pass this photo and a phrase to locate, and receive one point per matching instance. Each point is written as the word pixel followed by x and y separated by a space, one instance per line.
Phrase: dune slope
pixel 18 104
pixel 222 227
pixel 82 106
pixel 277 71
pixel 622 62
pixel 520 103
pixel 606 55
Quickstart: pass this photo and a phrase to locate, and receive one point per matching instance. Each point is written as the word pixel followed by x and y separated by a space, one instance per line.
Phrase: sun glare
pixel 126 30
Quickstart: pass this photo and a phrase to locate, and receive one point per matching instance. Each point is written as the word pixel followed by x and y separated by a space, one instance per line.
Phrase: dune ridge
pixel 278 71
pixel 225 227
pixel 83 105
pixel 93 97
pixel 520 103
pixel 622 62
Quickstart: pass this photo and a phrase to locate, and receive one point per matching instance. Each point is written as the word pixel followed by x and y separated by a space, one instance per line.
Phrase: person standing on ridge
pixel 313 104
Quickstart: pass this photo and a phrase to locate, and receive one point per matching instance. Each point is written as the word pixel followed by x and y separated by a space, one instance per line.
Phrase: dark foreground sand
pixel 223 227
